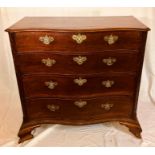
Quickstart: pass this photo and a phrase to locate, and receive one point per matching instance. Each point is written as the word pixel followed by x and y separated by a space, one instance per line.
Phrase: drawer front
pixel 62 86
pixel 78 63
pixel 80 109
pixel 71 41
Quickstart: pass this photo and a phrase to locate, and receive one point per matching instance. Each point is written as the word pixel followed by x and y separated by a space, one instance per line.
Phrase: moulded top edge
pixel 76 30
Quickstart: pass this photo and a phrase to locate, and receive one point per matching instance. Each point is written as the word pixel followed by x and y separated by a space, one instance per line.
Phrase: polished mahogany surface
pixel 78 23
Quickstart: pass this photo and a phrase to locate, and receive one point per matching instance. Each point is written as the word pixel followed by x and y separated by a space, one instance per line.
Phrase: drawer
pixel 71 41
pixel 83 63
pixel 64 86
pixel 80 109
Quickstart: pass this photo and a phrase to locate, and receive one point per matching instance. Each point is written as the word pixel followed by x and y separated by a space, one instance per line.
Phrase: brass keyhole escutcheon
pixel 79 38
pixel 80 59
pixel 108 83
pixel 80 81
pixel 111 39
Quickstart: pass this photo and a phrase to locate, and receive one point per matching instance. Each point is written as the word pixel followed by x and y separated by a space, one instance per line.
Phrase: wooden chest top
pixel 78 23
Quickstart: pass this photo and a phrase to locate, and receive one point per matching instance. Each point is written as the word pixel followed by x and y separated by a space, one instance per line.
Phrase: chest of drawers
pixel 78 70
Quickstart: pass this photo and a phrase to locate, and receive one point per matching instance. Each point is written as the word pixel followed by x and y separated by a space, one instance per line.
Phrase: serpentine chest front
pixel 78 70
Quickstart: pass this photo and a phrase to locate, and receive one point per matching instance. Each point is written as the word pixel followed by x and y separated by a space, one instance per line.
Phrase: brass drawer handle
pixel 79 38
pixel 80 103
pixel 51 84
pixel 107 106
pixel 53 107
pixel 109 61
pixel 48 62
pixel 111 39
pixel 108 83
pixel 46 39
pixel 80 81
pixel 80 59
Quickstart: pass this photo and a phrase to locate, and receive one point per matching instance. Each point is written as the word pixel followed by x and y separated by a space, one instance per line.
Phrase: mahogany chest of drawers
pixel 78 70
